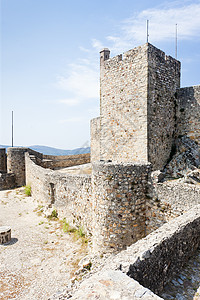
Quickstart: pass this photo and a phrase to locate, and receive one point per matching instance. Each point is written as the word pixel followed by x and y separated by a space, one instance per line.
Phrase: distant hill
pixel 54 151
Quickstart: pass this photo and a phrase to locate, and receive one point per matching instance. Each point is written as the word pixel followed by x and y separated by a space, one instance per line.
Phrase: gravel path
pixel 40 259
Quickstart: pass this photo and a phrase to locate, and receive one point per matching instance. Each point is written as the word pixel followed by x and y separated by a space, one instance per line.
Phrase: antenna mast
pixel 12 128
pixel 147 31
pixel 176 41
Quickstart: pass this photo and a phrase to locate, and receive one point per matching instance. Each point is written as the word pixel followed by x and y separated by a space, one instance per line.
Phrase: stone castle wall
pixel 169 200
pixel 3 160
pixel 176 197
pixel 188 113
pixel 7 181
pixel 123 107
pixel 163 81
pixel 120 193
pixel 15 160
pixel 16 164
pixel 110 205
pixel 58 162
pixel 69 194
pixel 138 106
pixel 95 139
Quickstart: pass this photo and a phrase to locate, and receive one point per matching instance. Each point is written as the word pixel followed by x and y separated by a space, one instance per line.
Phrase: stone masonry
pixel 138 105
pixel 95 139
pixel 120 195
pixel 16 164
pixel 3 160
pixel 123 106
pixel 188 113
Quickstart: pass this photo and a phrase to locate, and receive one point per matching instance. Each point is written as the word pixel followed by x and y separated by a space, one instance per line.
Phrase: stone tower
pixel 137 106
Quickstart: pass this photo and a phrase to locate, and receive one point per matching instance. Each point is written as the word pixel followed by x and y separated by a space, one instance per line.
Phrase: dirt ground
pixel 41 258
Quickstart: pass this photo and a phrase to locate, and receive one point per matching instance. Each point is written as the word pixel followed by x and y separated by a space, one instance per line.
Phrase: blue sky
pixel 50 59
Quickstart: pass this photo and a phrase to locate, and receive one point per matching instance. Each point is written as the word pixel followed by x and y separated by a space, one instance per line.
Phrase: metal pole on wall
pixel 147 31
pixel 176 41
pixel 12 128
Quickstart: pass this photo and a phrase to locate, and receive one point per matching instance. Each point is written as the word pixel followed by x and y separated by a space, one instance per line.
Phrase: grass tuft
pixel 27 190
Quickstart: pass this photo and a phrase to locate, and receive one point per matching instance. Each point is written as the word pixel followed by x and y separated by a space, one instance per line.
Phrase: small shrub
pixel 80 231
pixel 27 190
pixel 65 226
pixel 88 266
pixel 54 215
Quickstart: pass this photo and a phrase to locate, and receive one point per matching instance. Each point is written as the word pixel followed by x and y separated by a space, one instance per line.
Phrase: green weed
pixel 27 190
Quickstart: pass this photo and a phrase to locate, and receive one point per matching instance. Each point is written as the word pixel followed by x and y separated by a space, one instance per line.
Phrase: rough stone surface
pixel 137 96
pixel 16 164
pixel 7 181
pixel 163 81
pixel 176 197
pixel 64 161
pixel 120 199
pixel 184 285
pixel 3 160
pixel 95 139
pixel 185 158
pixel 188 112
pixel 123 107
pixel 111 207
pixel 69 194
pixel 111 284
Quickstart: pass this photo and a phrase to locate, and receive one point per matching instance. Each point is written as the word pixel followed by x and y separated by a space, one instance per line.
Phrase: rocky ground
pixel 41 258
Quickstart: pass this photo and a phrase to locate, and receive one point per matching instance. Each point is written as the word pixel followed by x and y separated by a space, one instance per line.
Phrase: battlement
pixel 135 53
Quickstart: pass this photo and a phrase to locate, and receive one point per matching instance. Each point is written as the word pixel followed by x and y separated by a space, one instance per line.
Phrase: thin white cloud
pixel 162 25
pixel 82 81
pixel 72 120
pixel 84 49
pixel 97 44
pixel 69 101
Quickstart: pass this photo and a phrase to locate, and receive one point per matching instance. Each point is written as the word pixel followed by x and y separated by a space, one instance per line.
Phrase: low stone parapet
pixel 151 262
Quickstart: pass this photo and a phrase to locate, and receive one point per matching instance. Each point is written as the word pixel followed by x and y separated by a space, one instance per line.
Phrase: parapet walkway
pixel 78 170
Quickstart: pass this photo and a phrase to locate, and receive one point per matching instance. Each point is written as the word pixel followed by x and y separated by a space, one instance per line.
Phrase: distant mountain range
pixel 54 151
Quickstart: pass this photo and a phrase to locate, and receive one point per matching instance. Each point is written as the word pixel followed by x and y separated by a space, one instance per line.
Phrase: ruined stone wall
pixel 120 196
pixel 70 195
pixel 95 139
pixel 168 200
pixel 7 181
pixel 188 113
pixel 16 164
pixel 3 160
pixel 64 161
pixel 123 107
pixel 112 208
pixel 163 80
